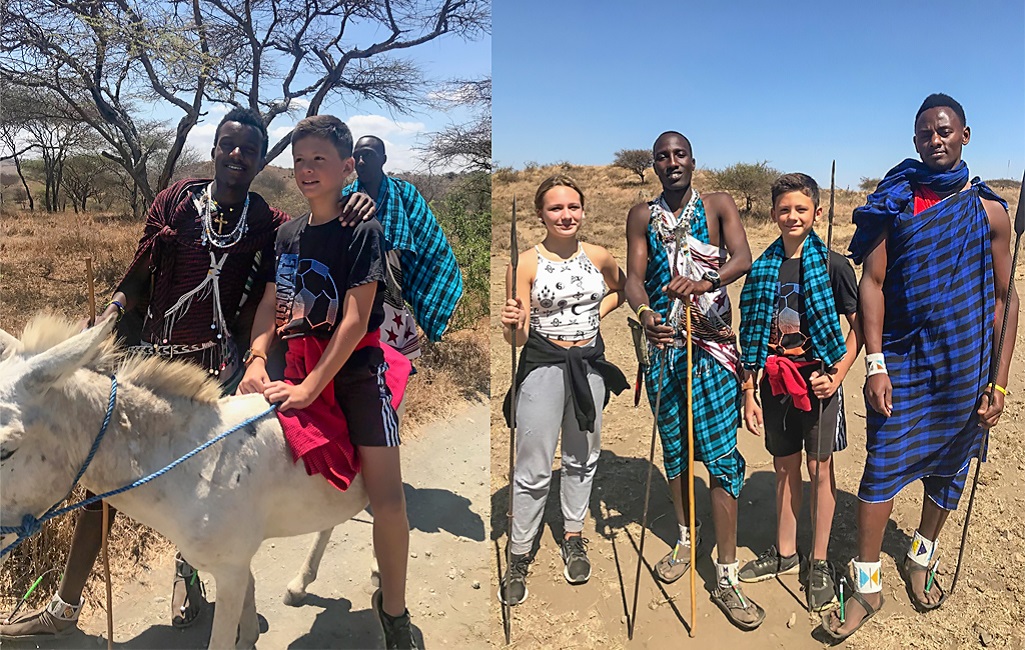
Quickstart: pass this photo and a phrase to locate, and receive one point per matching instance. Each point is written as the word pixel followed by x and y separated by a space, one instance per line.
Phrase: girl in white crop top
pixel 572 285
pixel 563 381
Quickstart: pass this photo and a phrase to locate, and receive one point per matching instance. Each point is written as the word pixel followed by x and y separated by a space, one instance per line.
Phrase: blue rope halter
pixel 30 525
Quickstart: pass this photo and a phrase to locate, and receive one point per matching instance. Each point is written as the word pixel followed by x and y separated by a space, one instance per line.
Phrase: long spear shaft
pixel 92 290
pixel 822 369
pixel 514 262
pixel 651 460
pixel 106 509
pixel 1019 228
pixel 690 473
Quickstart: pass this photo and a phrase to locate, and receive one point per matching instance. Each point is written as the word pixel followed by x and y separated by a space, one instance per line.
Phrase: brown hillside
pixel 610 192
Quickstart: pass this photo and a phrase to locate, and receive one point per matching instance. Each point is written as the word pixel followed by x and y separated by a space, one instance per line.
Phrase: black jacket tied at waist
pixel 539 352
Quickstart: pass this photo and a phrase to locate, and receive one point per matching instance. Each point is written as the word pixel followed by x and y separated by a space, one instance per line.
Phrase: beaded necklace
pixel 216 239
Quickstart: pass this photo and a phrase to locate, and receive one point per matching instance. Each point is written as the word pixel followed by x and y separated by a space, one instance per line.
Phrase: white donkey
pixel 217 507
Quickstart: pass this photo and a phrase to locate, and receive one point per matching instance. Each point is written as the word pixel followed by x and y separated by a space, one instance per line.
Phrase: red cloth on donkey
pixel 319 433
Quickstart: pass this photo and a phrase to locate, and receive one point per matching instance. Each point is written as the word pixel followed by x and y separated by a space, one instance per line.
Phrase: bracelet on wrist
pixel 875 364
pixel 998 387
pixel 642 309
pixel 120 309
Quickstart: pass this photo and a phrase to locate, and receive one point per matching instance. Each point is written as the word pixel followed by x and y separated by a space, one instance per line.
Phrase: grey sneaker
pixel 821 587
pixel 513 589
pixel 768 565
pixel 574 555
pixel 398 633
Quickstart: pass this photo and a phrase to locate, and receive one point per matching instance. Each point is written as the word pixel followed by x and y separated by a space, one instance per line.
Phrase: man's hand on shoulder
pixel 355 208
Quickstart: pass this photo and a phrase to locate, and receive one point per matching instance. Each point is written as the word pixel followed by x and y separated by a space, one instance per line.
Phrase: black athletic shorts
pixel 788 429
pixel 365 399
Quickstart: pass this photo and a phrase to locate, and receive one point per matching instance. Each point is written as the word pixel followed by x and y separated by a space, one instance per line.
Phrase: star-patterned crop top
pixel 566 297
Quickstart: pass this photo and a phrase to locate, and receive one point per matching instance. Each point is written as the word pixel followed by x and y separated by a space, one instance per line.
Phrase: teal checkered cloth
pixel 758 299
pixel 431 281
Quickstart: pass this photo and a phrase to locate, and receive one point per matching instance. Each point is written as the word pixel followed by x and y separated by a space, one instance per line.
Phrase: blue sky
pixel 794 83
pixel 445 58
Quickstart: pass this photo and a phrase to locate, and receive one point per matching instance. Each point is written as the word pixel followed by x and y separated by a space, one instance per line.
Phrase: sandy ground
pixel 984 611
pixel 445 475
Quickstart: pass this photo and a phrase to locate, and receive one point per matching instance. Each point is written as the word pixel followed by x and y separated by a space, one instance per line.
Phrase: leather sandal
pixel 909 568
pixel 188 596
pixel 58 619
pixel 869 613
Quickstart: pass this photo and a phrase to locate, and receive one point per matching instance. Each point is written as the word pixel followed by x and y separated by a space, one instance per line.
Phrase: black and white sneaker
pixel 768 565
pixel 513 589
pixel 398 633
pixel 574 555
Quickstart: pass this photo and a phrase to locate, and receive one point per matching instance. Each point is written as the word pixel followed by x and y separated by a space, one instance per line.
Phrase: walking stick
pixel 106 508
pixel 647 494
pixel 651 464
pixel 514 260
pixel 690 473
pixel 1019 228
pixel 822 369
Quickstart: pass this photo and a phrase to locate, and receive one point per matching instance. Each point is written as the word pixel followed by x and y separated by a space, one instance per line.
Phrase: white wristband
pixel 875 364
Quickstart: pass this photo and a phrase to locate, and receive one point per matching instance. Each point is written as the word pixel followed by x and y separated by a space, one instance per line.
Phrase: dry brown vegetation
pixel 42 267
pixel 610 192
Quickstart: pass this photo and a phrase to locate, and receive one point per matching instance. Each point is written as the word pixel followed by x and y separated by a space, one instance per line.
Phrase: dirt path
pixel 594 615
pixel 445 473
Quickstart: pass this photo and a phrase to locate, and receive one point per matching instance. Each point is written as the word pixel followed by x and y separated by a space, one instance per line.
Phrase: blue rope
pixel 30 525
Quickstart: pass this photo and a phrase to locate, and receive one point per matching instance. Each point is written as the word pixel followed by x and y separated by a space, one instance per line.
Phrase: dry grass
pixel 610 192
pixel 42 267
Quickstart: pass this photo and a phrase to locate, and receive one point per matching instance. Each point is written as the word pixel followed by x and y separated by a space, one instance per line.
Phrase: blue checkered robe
pixel 431 281
pixel 716 389
pixel 758 300
pixel 937 340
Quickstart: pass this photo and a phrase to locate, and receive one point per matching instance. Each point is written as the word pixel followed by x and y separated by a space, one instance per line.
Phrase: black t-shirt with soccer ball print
pixel 789 327
pixel 316 265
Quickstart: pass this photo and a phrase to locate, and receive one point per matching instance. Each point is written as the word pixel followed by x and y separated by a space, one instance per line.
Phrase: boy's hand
pixel 355 208
pixel 879 393
pixel 290 397
pixel 824 386
pixel 255 380
pixel 752 413
pixel 658 334
pixel 991 405
pixel 513 314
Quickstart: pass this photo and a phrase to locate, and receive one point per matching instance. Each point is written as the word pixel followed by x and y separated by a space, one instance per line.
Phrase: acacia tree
pixel 868 184
pixel 750 180
pixel 12 122
pixel 636 160
pixel 106 60
pixel 466 145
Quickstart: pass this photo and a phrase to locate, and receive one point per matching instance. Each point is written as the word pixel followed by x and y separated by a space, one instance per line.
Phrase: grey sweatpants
pixel 543 408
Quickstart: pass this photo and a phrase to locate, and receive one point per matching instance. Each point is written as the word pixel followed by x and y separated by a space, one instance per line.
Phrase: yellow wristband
pixel 999 388
pixel 642 309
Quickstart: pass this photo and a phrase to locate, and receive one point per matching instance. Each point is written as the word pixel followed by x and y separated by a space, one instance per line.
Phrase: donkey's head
pixel 36 464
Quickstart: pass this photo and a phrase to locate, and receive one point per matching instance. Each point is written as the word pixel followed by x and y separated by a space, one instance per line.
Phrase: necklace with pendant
pixel 216 239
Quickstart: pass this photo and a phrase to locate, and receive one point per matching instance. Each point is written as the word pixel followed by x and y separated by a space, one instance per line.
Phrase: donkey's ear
pixel 8 344
pixel 62 360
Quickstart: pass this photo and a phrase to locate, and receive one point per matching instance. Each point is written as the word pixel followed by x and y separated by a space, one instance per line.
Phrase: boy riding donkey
pixel 190 293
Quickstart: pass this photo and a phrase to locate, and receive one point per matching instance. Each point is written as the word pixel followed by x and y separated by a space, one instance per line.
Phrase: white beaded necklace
pixel 206 217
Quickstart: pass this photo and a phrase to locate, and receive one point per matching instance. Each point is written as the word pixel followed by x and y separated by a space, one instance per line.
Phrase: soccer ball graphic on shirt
pixel 789 315
pixel 316 297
